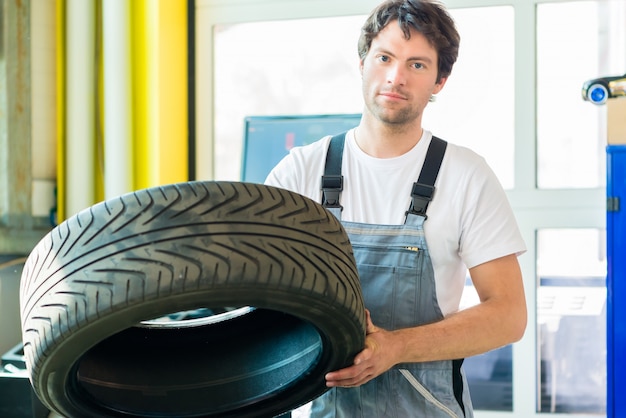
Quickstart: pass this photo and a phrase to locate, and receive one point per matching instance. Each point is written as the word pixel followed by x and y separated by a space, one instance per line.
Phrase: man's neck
pixel 387 141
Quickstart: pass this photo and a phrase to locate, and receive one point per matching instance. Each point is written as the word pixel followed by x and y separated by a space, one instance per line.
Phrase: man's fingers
pixel 337 379
pixel 369 325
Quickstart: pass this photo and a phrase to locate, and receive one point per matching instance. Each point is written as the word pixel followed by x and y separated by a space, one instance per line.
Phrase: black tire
pixel 91 284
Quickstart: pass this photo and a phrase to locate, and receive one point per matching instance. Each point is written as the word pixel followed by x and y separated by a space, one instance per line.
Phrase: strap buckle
pixel 421 196
pixel 332 185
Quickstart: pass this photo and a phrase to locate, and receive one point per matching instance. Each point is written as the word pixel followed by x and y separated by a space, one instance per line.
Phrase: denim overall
pixel 398 285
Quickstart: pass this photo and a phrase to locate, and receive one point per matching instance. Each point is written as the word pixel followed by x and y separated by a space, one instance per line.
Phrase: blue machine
pixel 616 281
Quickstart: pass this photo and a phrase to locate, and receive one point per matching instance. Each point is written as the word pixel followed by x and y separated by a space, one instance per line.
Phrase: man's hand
pixel 376 358
pixel 499 319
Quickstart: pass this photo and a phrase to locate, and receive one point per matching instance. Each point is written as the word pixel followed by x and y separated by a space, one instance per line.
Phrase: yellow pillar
pixel 60 92
pixel 173 129
pixel 159 34
pixel 144 27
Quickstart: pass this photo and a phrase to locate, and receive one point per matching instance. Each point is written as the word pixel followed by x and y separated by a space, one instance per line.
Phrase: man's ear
pixel 439 85
pixel 361 66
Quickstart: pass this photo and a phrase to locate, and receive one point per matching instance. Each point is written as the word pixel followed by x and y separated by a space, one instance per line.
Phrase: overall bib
pixel 398 285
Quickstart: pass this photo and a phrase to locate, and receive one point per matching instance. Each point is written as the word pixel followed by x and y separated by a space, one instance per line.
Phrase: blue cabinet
pixel 616 281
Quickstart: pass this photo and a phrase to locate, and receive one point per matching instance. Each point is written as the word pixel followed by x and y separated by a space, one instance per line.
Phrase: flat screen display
pixel 267 139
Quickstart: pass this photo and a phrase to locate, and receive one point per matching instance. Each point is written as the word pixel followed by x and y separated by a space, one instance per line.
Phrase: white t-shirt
pixel 469 221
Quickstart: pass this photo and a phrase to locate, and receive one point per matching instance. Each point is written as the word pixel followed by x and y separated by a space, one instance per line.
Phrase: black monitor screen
pixel 267 139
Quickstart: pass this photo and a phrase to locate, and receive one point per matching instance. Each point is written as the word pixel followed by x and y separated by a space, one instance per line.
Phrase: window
pixel 290 67
pixel 285 67
pixel 571 320
pixel 576 41
pixel 476 106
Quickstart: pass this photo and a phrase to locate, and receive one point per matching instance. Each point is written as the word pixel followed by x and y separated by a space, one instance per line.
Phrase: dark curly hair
pixel 430 18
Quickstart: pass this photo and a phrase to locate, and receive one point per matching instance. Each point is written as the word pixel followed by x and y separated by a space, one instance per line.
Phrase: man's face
pixel 399 76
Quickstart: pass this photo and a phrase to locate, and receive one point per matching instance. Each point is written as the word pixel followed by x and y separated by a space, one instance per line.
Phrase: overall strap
pixel 421 194
pixel 424 188
pixel 332 180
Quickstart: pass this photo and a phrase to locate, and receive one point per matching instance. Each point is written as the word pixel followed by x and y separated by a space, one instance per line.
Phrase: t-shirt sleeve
pixel 283 175
pixel 489 229
pixel 300 171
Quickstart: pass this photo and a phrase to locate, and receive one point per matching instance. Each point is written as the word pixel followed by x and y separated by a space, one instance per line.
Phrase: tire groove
pixel 105 256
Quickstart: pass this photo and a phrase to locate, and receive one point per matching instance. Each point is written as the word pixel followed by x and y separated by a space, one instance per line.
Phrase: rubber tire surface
pixel 94 278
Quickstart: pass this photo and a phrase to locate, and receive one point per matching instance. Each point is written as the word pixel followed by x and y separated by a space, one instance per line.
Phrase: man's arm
pixel 499 319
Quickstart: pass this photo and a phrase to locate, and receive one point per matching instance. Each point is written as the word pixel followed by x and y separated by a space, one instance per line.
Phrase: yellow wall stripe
pixel 60 100
pixel 159 74
pixel 144 23
pixel 172 89
pixel 99 117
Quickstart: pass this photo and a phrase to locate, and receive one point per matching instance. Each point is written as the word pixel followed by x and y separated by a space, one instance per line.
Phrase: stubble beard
pixel 393 118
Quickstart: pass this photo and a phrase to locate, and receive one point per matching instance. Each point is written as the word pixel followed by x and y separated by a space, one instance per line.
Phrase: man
pixel 414 237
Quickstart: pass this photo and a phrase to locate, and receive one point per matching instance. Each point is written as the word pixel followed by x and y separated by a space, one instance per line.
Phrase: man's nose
pixel 396 75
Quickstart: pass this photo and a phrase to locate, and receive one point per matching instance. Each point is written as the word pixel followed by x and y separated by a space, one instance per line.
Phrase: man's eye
pixel 383 58
pixel 418 65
